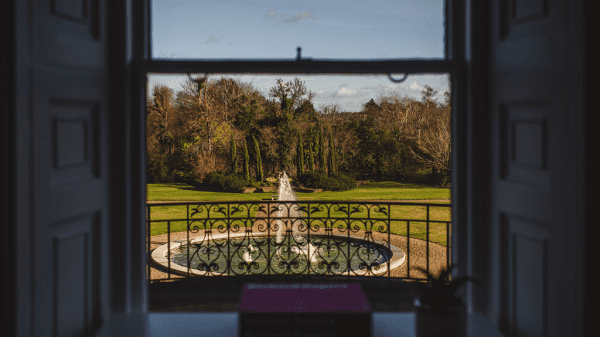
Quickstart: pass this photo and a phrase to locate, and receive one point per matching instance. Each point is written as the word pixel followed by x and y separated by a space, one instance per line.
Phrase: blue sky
pixel 267 29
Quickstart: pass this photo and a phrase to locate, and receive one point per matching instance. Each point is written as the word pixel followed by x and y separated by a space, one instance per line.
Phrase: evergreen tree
pixel 300 155
pixel 284 130
pixel 246 162
pixel 331 156
pixel 322 155
pixel 234 161
pixel 311 158
pixel 370 106
pixel 259 171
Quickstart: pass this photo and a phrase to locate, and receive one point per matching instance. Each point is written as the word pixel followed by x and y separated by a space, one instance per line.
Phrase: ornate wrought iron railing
pixel 342 238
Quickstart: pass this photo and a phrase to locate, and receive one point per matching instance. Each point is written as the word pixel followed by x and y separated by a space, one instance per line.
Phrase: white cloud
pixel 346 91
pixel 273 15
pixel 415 86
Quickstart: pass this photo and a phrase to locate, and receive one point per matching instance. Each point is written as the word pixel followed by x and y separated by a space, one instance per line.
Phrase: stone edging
pixel 416 256
pixel 159 256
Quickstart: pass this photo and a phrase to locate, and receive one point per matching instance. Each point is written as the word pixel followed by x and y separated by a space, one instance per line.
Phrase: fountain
pixel 247 257
pixel 285 193
pixel 217 254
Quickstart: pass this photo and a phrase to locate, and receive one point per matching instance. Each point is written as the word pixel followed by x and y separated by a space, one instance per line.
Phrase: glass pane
pixel 345 142
pixel 251 104
pixel 349 92
pixel 343 29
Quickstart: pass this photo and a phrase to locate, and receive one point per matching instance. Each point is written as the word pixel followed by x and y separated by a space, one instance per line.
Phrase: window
pixel 272 29
pixel 263 57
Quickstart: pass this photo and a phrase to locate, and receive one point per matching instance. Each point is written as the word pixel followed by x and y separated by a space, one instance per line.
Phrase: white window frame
pixel 455 64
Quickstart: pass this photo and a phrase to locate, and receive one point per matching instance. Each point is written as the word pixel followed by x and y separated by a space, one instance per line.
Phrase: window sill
pixel 225 324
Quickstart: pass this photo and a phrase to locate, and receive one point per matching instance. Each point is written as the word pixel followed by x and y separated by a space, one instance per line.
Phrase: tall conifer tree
pixel 259 171
pixel 246 162
pixel 322 155
pixel 300 155
pixel 331 156
pixel 234 161
pixel 311 163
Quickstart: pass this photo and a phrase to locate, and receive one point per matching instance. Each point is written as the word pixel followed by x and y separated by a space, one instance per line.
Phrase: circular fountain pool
pixel 239 254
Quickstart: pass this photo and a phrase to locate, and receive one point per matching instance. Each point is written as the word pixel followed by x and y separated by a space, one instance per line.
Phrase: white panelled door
pixel 69 76
pixel 532 145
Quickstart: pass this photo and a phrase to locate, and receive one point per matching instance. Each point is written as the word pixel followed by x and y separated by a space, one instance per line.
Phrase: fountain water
pixel 247 257
pixel 285 193
pixel 290 211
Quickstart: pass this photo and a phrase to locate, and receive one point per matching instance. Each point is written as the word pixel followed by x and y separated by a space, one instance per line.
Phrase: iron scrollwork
pixel 287 238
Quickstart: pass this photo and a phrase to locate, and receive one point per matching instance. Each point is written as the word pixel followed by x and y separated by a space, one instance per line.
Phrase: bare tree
pixel 402 113
pixel 434 141
pixel 425 122
pixel 205 110
pixel 161 105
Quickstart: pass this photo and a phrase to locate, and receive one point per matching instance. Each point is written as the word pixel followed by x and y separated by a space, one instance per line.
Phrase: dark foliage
pixel 225 182
pixel 439 296
pixel 320 179
pixel 189 134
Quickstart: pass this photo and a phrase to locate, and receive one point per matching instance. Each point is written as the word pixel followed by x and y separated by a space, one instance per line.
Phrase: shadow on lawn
pixel 192 187
pixel 391 184
pixel 371 185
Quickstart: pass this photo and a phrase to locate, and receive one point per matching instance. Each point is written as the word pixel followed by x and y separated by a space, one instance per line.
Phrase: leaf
pixel 439 293
pixel 235 209
pixel 221 210
pixel 314 209
pixel 343 209
pixel 382 210
pixel 355 209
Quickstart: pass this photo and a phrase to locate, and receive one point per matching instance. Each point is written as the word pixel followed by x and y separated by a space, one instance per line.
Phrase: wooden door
pixel 534 215
pixel 69 133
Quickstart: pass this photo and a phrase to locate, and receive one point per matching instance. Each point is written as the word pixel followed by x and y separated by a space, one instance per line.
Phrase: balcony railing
pixel 270 237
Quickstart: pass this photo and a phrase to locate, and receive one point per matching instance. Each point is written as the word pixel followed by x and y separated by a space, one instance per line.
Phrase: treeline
pixel 224 125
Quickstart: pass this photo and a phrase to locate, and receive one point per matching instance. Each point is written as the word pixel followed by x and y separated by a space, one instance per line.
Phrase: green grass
pixel 184 192
pixel 382 191
pixel 372 191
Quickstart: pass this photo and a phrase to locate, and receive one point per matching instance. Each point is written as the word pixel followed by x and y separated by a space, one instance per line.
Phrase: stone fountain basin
pixel 160 260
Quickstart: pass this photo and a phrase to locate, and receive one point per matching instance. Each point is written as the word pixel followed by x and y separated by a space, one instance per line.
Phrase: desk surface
pixel 225 324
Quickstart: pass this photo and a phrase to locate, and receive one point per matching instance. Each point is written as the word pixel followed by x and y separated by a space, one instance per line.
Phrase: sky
pixel 273 29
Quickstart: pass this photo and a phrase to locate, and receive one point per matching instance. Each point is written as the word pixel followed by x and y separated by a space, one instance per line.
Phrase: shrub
pixel 428 177
pixel 346 182
pixel 183 177
pixel 320 179
pixel 225 182
pixel 439 179
pixel 213 179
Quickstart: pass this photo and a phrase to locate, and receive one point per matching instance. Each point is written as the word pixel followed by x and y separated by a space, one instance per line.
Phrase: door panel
pixel 526 243
pixel 70 33
pixel 525 125
pixel 70 161
pixel 531 144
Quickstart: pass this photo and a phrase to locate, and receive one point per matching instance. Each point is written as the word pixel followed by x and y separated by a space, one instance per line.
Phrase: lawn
pixel 369 192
